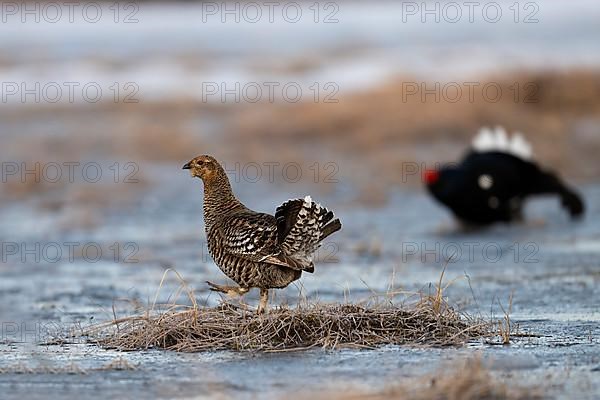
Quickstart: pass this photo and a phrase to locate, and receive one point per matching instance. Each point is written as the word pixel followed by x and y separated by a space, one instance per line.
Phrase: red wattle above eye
pixel 431 176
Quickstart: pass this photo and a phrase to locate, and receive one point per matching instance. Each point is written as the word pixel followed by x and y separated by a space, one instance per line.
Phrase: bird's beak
pixel 187 166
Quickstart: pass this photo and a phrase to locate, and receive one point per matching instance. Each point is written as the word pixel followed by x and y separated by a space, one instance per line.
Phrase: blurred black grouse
pixel 493 180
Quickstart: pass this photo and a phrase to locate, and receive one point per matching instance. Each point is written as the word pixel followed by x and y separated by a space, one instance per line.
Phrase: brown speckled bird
pixel 256 249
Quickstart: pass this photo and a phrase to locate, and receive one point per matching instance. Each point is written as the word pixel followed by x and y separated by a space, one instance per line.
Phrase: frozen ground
pixel 550 264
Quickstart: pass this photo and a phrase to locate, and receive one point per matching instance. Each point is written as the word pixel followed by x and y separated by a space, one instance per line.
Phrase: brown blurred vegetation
pixel 370 134
pixel 470 380
pixel 381 128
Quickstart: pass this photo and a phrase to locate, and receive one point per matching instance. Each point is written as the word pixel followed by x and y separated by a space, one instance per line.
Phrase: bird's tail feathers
pixel 302 224
pixel 498 140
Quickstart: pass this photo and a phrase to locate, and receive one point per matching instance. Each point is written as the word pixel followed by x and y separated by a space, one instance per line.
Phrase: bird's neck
pixel 219 200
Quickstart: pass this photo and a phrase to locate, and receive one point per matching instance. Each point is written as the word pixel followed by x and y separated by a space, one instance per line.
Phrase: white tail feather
pixel 498 140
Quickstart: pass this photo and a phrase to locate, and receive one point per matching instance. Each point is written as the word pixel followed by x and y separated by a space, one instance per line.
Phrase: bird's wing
pixel 252 236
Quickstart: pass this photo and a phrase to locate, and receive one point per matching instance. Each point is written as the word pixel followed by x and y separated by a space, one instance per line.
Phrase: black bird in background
pixel 495 177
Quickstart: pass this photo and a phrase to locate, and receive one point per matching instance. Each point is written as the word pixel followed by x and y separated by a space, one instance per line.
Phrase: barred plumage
pixel 256 249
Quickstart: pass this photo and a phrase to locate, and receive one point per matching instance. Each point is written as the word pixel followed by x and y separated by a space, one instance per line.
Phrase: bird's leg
pixel 264 298
pixel 232 291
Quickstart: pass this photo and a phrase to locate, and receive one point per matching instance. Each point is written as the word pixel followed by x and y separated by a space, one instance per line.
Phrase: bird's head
pixel 204 167
pixel 448 184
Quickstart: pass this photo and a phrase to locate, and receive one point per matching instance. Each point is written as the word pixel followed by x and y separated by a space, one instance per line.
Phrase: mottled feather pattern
pixel 250 234
pixel 261 250
pixel 286 215
pixel 305 233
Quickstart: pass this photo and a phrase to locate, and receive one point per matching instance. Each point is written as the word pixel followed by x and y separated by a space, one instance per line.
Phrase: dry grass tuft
pixel 430 321
pixel 118 364
pixel 470 380
pixel 22 368
pixel 505 326
pixel 331 326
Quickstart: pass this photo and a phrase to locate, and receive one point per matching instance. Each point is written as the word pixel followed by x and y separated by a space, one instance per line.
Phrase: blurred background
pixel 367 86
pixel 102 103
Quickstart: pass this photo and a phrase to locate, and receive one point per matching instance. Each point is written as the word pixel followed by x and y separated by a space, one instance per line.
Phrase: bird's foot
pixel 264 299
pixel 232 291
